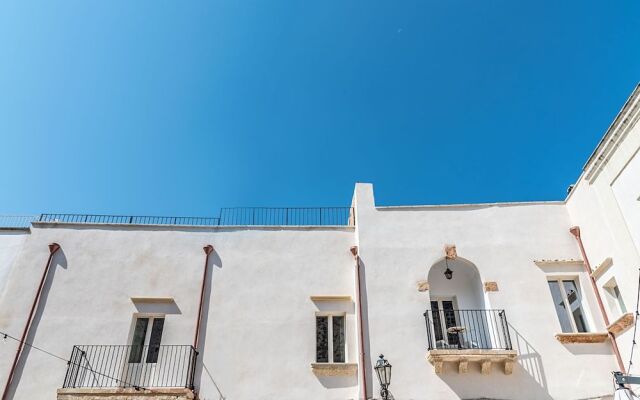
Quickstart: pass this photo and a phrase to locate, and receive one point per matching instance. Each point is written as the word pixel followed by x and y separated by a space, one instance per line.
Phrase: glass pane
pixel 561 309
pixel 322 339
pixel 449 321
pixel 154 340
pixel 616 291
pixel 437 326
pixel 575 305
pixel 338 339
pixel 137 343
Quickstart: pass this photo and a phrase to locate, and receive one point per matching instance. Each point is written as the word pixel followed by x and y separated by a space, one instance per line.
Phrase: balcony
pixel 119 372
pixel 469 336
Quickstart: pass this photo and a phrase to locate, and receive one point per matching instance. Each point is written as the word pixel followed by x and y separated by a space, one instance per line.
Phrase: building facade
pixel 500 301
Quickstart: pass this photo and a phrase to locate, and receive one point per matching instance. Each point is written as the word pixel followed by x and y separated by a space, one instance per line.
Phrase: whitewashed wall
pixel 259 335
pixel 605 205
pixel 11 241
pixel 398 245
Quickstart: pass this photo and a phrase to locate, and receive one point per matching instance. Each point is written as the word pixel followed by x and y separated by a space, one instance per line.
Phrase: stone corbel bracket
pixel 486 358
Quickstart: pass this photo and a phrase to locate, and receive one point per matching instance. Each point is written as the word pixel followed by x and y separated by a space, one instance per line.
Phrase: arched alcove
pixel 464 287
pixel 458 316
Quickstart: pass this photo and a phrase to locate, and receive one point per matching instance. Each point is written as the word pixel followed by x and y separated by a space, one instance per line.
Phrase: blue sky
pixel 178 108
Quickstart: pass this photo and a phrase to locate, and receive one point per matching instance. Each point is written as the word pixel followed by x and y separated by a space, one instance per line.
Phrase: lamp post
pixel 383 370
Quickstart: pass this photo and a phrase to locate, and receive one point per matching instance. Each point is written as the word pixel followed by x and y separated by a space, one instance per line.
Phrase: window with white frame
pixel 614 299
pixel 330 338
pixel 568 304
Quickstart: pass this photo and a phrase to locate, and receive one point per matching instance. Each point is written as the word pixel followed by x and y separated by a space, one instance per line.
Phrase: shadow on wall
pixel 528 380
pixel 58 259
pixel 214 260
pixel 365 330
pixel 332 382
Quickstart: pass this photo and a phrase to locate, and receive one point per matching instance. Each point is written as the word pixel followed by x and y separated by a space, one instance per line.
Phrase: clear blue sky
pixel 180 107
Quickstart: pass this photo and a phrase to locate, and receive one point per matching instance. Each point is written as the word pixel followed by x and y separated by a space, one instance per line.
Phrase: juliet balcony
pixel 461 337
pixel 129 371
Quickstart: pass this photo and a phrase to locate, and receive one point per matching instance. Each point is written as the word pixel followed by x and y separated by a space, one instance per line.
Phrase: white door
pixel 443 310
pixel 144 353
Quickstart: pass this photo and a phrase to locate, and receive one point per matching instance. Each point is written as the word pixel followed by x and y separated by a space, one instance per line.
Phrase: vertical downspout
pixel 53 247
pixel 354 251
pixel 208 249
pixel 575 231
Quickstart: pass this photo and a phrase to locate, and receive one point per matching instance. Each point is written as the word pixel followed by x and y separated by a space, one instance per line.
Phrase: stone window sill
pixel 334 369
pixel 588 337
pixel 621 324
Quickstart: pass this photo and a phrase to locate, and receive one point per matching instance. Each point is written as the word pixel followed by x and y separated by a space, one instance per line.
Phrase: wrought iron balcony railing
pixel 106 366
pixel 467 329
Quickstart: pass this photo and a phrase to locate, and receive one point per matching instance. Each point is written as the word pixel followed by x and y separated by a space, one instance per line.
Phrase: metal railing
pixel 128 220
pixel 17 221
pixel 102 366
pixel 467 329
pixel 287 216
pixel 318 216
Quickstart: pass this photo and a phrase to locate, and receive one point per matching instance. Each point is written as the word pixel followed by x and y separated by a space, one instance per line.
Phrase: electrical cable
pixel 635 325
pixel 6 335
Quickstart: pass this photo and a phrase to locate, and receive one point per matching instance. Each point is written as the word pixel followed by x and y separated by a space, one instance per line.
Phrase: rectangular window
pixel 144 341
pixel 330 339
pixel 614 299
pixel 568 304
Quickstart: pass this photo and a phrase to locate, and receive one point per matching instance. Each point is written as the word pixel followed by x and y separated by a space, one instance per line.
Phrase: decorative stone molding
pixel 490 286
pixel 602 268
pixel 450 251
pixel 330 298
pixel 334 369
pixel 558 261
pixel 125 394
pixel 588 337
pixel 486 358
pixel 621 324
pixel 423 286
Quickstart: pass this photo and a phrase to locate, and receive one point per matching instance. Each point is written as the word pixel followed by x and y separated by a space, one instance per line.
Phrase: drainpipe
pixel 575 231
pixel 53 247
pixel 354 251
pixel 208 249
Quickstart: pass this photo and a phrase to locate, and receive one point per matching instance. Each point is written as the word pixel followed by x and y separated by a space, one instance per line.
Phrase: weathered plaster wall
pixel 398 245
pixel 259 326
pixel 11 241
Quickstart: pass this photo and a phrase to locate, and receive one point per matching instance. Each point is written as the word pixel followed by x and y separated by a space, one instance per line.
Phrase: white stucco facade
pixel 266 285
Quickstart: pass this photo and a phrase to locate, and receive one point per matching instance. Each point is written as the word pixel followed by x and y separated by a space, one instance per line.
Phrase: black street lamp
pixel 383 370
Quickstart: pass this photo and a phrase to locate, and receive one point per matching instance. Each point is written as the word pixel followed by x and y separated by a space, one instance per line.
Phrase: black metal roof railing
pixel 17 221
pixel 127 219
pixel 240 216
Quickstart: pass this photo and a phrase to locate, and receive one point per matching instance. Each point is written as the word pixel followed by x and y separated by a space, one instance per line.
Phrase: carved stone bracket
pixel 486 359
pixel 423 286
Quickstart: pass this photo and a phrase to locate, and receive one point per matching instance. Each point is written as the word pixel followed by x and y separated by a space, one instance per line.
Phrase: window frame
pixel 144 358
pixel 616 304
pixel 329 316
pixel 565 298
